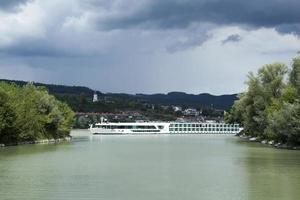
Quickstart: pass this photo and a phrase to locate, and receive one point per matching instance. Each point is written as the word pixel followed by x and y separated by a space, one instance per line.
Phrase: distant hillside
pixel 56 89
pixel 200 100
pixel 223 102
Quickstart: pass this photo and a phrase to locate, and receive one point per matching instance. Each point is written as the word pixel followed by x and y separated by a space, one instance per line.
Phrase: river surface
pixel 165 167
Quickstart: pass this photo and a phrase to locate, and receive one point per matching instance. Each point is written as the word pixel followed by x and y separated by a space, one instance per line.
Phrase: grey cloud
pixel 11 5
pixel 158 15
pixel 232 38
pixel 289 28
pixel 181 13
pixel 39 47
pixel 189 43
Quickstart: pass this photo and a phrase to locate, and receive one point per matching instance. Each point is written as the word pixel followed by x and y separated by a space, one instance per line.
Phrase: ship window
pixel 160 127
pixel 144 127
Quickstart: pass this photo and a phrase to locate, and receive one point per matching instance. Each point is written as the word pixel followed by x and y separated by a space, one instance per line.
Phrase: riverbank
pixel 270 143
pixel 43 141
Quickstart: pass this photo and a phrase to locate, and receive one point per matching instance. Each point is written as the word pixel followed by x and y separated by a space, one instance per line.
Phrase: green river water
pixel 165 167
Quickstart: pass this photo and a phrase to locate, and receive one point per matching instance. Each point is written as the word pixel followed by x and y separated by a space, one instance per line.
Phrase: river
pixel 165 167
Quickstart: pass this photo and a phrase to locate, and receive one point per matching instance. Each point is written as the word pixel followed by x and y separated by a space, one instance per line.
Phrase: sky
pixel 146 46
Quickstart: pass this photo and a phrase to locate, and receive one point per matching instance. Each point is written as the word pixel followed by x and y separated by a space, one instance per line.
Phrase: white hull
pixel 163 128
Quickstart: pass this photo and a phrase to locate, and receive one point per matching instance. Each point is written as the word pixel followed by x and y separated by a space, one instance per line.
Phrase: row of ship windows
pixel 124 127
pixel 203 125
pixel 204 129
pixel 146 131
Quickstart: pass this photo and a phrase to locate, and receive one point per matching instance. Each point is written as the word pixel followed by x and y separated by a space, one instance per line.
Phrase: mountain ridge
pixel 224 101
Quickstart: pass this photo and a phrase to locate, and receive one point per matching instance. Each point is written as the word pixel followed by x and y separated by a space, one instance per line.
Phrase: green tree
pixel 261 99
pixel 295 74
pixel 29 113
pixel 8 131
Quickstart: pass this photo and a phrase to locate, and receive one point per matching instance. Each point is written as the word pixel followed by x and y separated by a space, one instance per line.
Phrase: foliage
pixel 270 107
pixel 29 113
pixel 80 99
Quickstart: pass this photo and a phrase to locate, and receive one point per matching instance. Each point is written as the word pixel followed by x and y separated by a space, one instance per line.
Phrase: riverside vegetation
pixel 270 107
pixel 151 107
pixel 29 114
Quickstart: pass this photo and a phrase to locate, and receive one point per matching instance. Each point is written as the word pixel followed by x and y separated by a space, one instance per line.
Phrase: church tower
pixel 95 97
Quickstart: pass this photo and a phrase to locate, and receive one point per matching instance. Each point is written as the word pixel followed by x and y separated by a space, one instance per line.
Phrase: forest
pixel 28 113
pixel 270 107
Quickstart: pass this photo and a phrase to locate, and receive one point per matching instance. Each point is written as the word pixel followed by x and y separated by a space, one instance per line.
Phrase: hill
pixel 55 89
pixel 78 95
pixel 223 102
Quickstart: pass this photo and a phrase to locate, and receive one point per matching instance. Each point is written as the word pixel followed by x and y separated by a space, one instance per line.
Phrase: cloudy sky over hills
pixel 146 46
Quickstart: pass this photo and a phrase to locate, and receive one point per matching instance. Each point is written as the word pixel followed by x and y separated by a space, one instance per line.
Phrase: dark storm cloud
pixel 60 40
pixel 192 42
pixel 232 38
pixel 10 5
pixel 181 13
pixel 33 49
pixel 289 28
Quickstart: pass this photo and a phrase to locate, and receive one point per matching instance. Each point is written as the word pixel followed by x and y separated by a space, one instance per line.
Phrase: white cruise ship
pixel 106 128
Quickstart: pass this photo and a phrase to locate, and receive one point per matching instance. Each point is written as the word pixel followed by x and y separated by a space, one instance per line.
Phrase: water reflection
pixel 149 167
pixel 271 173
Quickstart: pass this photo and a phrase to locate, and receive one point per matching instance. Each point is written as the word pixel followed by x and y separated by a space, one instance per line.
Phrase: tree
pixel 8 131
pixel 261 99
pixel 284 124
pixel 295 74
pixel 29 113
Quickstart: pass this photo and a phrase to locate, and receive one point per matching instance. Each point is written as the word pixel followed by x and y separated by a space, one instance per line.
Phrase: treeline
pixel 270 108
pixel 80 99
pixel 84 103
pixel 55 89
pixel 29 113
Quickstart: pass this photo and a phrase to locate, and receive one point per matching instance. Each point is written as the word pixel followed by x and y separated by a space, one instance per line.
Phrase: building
pixel 95 97
pixel 191 112
pixel 177 108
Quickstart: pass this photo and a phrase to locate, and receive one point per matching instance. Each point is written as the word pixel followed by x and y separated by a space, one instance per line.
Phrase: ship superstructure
pixel 164 128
